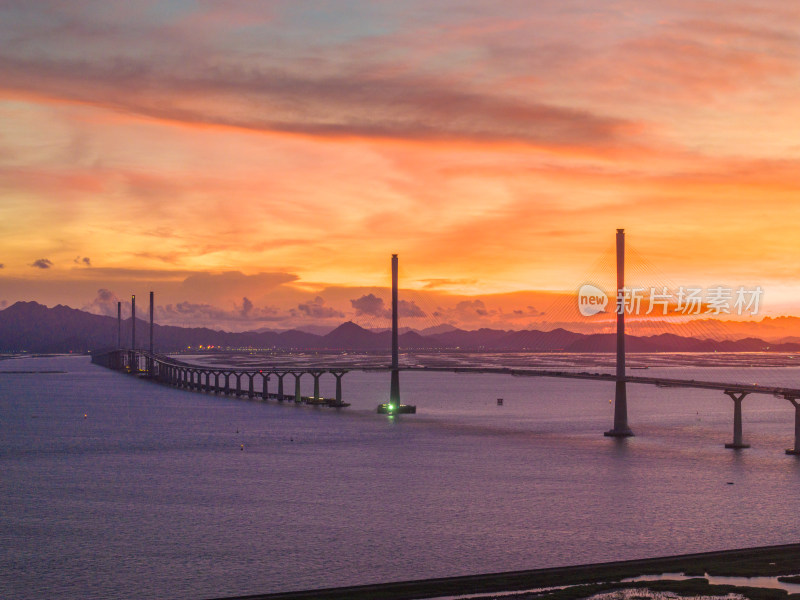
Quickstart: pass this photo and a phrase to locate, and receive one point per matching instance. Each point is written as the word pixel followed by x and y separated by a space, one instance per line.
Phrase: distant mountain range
pixel 32 327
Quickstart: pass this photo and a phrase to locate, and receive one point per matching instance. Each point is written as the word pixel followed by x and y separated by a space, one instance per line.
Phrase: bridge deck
pixel 754 388
pixel 781 392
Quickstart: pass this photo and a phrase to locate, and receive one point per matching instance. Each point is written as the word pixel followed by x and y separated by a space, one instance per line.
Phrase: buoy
pixel 84 415
pixel 241 447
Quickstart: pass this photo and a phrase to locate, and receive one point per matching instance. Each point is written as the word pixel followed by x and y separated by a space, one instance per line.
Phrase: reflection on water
pixel 115 487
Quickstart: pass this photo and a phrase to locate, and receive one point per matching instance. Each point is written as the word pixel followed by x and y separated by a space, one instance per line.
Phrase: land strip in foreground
pixel 590 578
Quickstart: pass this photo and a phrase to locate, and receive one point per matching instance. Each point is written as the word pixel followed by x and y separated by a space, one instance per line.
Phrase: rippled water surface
pixel 115 487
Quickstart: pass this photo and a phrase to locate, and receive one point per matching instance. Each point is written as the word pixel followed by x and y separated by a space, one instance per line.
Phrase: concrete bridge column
pixel 280 385
pixel 338 376
pixel 216 382
pixel 208 381
pixel 737 420
pixel 227 389
pixel 316 377
pixel 297 397
pixel 264 386
pixel 250 390
pixel 796 450
pixel 238 384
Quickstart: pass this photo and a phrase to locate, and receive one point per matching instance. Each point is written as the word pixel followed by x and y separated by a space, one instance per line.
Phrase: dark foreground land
pixel 585 580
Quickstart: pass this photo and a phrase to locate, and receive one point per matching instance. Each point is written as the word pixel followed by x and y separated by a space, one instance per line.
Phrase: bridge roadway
pixel 221 380
pixel 780 392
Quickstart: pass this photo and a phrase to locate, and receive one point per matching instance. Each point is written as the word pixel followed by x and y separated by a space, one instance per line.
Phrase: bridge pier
pixel 796 450
pixel 338 376
pixel 738 442
pixel 264 386
pixel 280 377
pixel 297 397
pixel 250 389
pixel 316 376
pixel 238 384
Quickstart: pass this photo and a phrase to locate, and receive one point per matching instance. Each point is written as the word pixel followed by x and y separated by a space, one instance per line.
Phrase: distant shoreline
pixel 746 562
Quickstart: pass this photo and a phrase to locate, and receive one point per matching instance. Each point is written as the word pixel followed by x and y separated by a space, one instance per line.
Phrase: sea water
pixel 112 486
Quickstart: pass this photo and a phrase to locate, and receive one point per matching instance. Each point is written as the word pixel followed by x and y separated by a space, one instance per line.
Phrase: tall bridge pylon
pixel 621 428
pixel 394 406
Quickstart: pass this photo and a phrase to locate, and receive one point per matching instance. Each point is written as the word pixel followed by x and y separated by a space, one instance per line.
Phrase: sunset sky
pixel 257 163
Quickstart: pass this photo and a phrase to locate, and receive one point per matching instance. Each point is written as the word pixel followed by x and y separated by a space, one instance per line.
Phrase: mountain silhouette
pixel 33 327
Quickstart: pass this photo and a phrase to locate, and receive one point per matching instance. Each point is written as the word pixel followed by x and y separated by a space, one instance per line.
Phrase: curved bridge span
pixel 249 383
